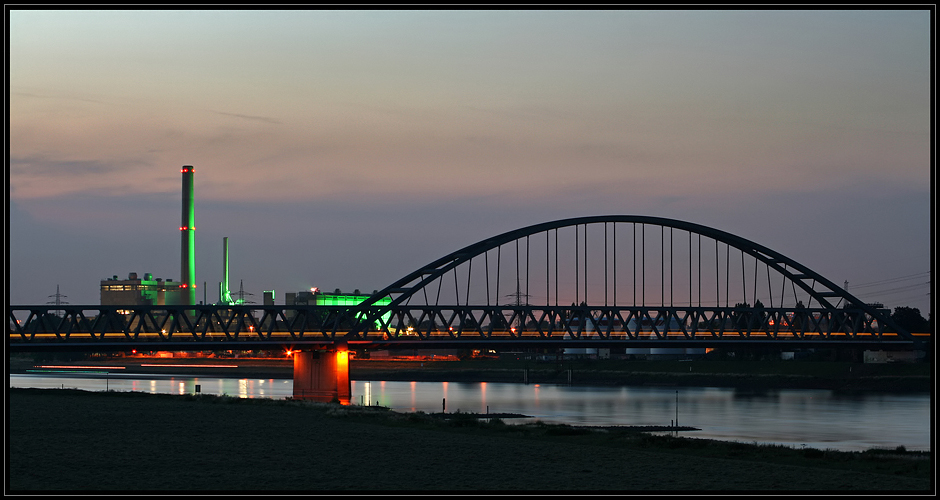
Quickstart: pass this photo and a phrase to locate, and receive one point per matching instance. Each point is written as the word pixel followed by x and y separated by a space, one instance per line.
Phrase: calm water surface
pixel 812 418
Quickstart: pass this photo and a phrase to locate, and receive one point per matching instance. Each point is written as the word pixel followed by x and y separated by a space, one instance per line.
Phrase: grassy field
pixel 67 440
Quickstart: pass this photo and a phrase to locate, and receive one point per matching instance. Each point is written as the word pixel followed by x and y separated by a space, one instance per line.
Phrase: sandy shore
pixel 137 442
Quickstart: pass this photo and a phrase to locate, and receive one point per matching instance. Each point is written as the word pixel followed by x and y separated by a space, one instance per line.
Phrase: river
pixel 819 419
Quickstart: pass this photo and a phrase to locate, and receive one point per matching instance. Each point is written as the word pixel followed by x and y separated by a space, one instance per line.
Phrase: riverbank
pixel 740 374
pixel 745 375
pixel 68 440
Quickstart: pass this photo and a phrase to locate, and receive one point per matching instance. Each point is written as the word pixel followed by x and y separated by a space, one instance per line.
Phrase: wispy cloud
pixel 40 95
pixel 39 166
pixel 249 117
pixel 41 177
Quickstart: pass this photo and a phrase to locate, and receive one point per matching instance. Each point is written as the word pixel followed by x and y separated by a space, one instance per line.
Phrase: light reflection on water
pixel 813 418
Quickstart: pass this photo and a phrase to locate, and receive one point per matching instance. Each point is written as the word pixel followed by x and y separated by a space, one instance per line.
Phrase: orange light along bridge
pixel 605 281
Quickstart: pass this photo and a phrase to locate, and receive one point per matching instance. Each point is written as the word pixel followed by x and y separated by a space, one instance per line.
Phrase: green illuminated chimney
pixel 225 295
pixel 188 240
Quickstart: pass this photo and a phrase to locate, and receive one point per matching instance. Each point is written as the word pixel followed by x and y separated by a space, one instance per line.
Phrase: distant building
pixel 139 291
pixel 316 297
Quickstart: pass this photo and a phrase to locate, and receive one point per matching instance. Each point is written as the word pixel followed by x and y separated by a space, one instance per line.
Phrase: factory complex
pixel 146 290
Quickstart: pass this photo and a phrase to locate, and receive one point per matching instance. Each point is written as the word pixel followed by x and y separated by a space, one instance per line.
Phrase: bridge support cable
pixel 547 260
pixel 754 299
pixel 728 276
pixel 700 270
pixel 469 274
pixel 690 269
pixel 605 264
pixel 770 291
pixel 498 262
pixel 586 259
pixel 743 278
pixel 486 257
pixel 527 270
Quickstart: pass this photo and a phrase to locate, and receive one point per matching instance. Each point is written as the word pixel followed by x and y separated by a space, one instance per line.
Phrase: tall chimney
pixel 188 240
pixel 225 296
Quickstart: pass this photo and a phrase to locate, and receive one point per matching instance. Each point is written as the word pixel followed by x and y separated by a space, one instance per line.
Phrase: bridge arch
pixel 809 289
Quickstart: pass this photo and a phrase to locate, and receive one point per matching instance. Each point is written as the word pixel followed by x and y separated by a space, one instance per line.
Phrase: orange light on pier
pixel 342 376
pixel 342 361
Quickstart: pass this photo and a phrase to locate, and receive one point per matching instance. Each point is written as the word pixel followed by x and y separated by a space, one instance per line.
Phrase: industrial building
pixel 145 290
pixel 158 292
pixel 139 291
pixel 316 297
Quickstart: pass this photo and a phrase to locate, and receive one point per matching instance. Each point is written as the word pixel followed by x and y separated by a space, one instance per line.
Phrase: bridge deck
pixel 504 339
pixel 223 327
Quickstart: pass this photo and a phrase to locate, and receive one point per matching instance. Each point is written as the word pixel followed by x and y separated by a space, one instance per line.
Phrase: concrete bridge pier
pixel 322 375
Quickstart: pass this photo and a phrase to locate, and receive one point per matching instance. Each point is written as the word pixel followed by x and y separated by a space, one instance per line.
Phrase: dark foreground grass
pixel 68 440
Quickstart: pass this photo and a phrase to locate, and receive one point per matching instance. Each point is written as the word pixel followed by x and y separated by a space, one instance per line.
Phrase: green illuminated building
pixel 315 297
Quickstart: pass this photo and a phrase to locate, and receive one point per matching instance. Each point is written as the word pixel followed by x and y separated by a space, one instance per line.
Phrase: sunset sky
pixel 345 149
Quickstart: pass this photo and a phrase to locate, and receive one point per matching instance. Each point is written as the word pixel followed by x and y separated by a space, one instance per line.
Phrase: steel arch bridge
pixel 813 309
pixel 602 281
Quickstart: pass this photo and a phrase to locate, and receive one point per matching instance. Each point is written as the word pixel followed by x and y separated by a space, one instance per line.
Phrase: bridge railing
pixel 204 327
pixel 625 323
pixel 28 324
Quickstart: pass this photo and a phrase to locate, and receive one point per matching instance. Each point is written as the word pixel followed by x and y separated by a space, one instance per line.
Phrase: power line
pixel 893 290
pixel 908 298
pixel 891 280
